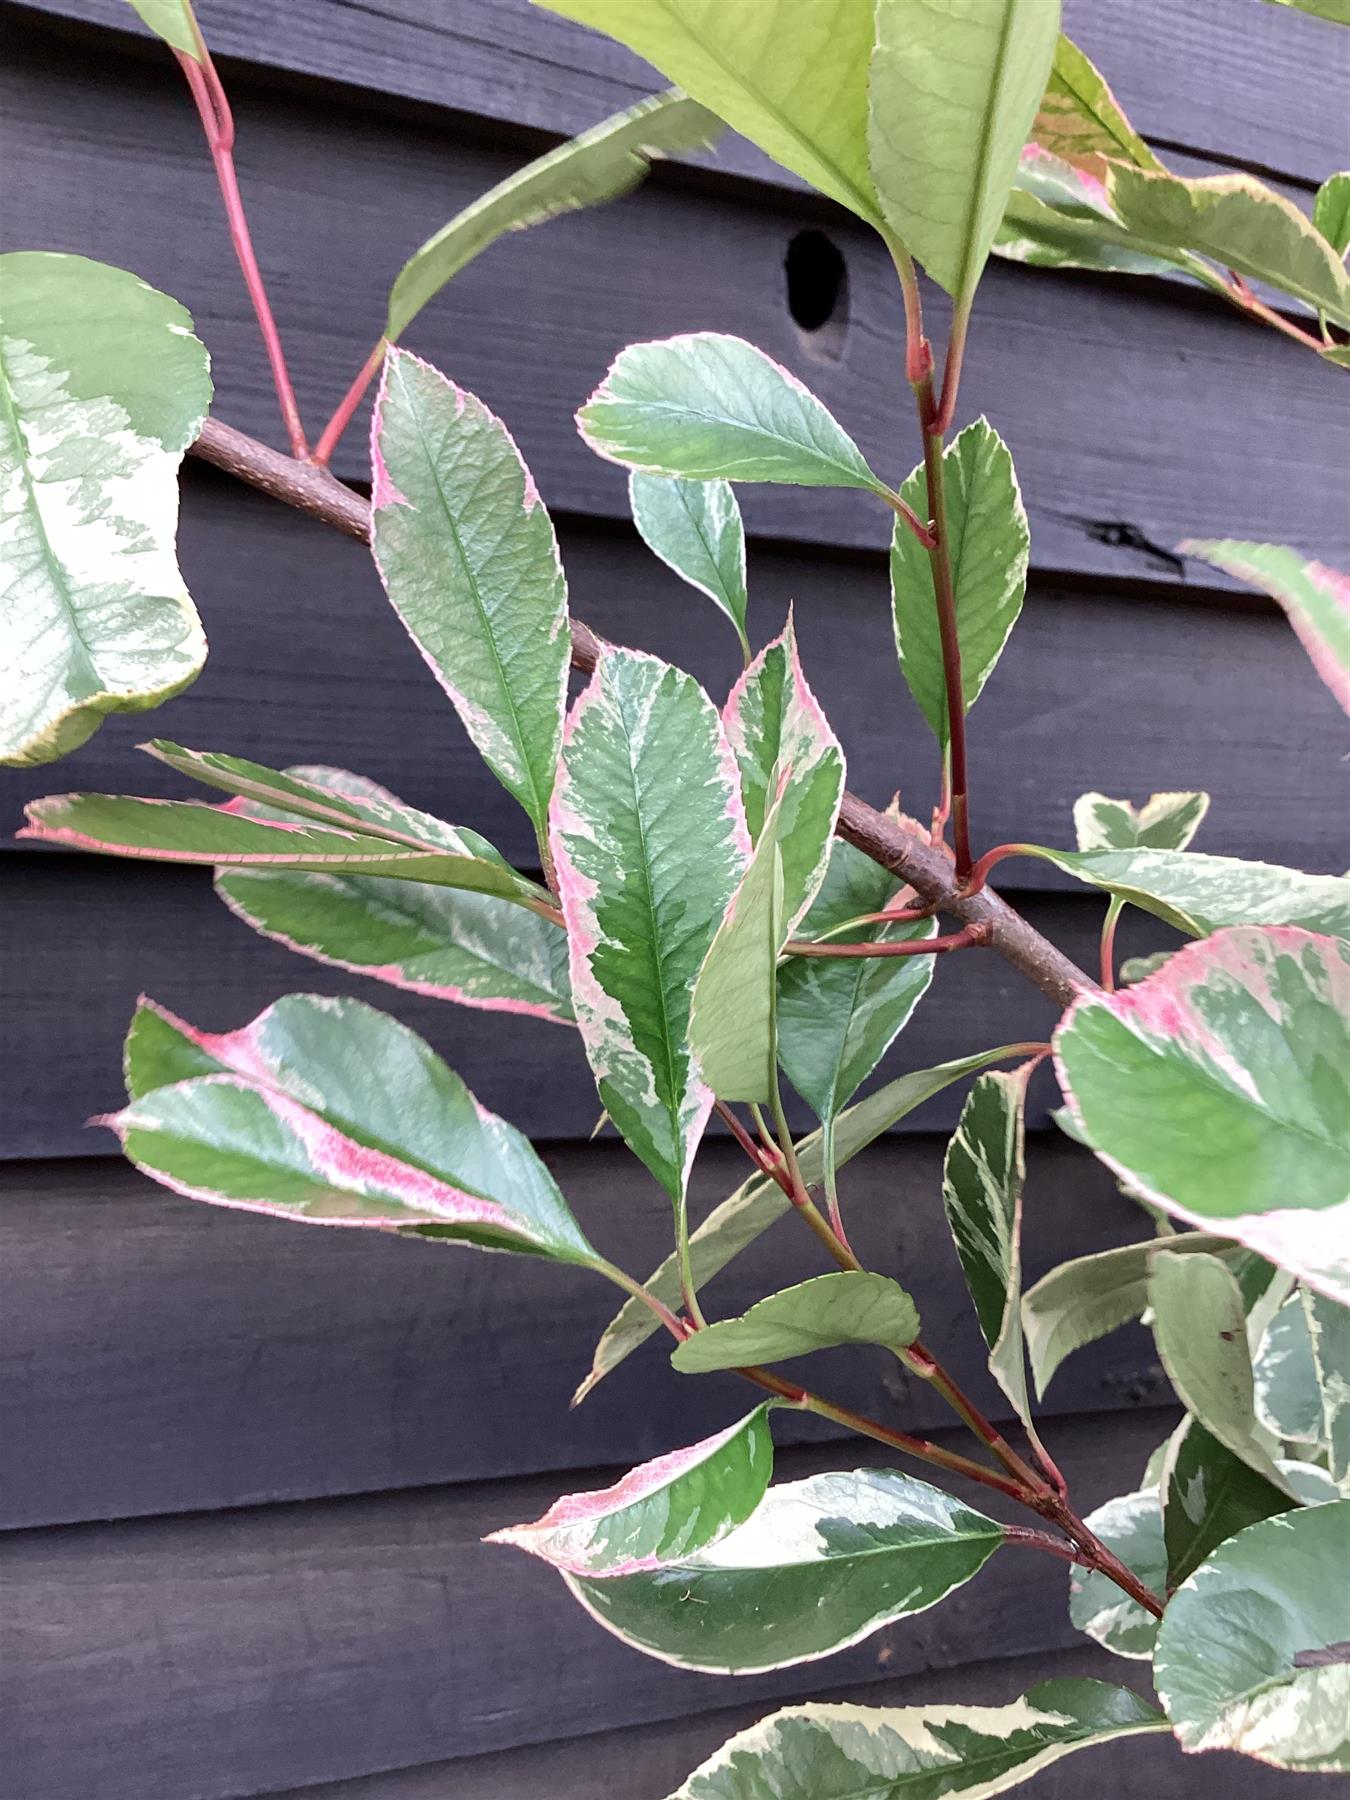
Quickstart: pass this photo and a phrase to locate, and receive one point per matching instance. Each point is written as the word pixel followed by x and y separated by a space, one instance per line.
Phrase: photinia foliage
pixel 712 911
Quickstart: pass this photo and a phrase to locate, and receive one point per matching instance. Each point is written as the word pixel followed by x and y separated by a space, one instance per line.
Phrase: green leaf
pixel 1331 208
pixel 704 406
pixel 1288 1399
pixel 732 1029
pixel 1238 1044
pixel 695 528
pixel 1058 217
pixel 659 1512
pixel 171 20
pixel 1132 1526
pixel 989 543
pixel 102 389
pixel 758 1202
pixel 820 1565
pixel 1139 968
pixel 649 843
pixel 282 1117
pixel 1201 894
pixel 1329 1332
pixel 1081 120
pixel 982 1180
pixel 470 563
pixel 1252 1652
pixel 953 91
pixel 1200 1324
pixel 1081 1301
pixel 1237 222
pixel 790 75
pixel 451 945
pixel 848 1307
pixel 1211 1495
pixel 837 1752
pixel 838 1016
pixel 777 730
pixel 1315 598
pixel 1337 11
pixel 1163 822
pixel 601 164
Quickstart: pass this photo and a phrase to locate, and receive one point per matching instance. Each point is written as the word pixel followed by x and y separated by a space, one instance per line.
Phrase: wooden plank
pixel 162 1356
pixel 1135 371
pixel 234 1653
pixel 309 663
pixel 649 1761
pixel 1271 94
pixel 97 932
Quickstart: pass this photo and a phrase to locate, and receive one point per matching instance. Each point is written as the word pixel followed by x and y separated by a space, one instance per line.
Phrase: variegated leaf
pixel 695 528
pixel 1081 120
pixel 847 1307
pixel 1288 1399
pixel 1331 209
pixel 469 560
pixel 1058 216
pixel 661 1511
pixel 778 731
pixel 1240 1044
pixel 1329 1332
pixel 1209 1495
pixel 1163 822
pixel 102 389
pixel 282 1117
pixel 1132 1526
pixel 649 842
pixel 171 20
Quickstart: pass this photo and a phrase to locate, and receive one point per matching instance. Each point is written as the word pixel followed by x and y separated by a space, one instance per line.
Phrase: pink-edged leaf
pixel 1219 1089
pixel 1315 598
pixel 662 1510
pixel 777 729
pixel 329 1112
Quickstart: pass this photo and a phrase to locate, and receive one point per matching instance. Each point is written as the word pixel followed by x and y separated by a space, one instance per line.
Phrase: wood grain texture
pixel 650 1761
pixel 1122 464
pixel 1271 94
pixel 239 1652
pixel 162 1356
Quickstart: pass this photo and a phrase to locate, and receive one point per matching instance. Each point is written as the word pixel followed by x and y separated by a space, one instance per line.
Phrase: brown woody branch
pixel 909 857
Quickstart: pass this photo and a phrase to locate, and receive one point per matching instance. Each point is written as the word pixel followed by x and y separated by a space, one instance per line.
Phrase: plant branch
pixel 1237 290
pixel 909 857
pixel 981 932
pixel 1041 1540
pixel 213 106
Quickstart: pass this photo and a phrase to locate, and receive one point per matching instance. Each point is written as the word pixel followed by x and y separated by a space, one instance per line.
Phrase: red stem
pixel 217 120
pixel 968 936
pixel 979 872
pixel 333 430
pixel 1109 924
pixel 1246 301
pixel 1041 1540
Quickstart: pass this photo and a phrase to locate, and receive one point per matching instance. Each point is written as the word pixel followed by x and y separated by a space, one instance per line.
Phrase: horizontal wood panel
pixel 1272 88
pixel 1111 691
pixel 650 1761
pixel 1108 394
pixel 234 1653
pixel 158 1355
pixel 96 932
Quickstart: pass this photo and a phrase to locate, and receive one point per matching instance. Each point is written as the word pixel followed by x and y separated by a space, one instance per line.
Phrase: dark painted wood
pixel 650 1761
pixel 1114 691
pixel 162 1356
pixel 238 1652
pixel 1272 89
pixel 1107 394
pixel 96 932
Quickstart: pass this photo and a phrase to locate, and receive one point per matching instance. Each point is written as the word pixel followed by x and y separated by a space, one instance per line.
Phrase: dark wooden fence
pixel 247 1468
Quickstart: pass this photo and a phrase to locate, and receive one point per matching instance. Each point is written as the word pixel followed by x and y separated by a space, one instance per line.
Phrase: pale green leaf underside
pixel 468 557
pixel 1329 1331
pixel 1288 1397
pixel 1132 1526
pixel 1080 118
pixel 954 88
pixel 102 388
pixel 849 1307
pixel 989 544
pixel 840 1752
pixel 1238 1045
pixel 1251 1653
pixel 601 164
pixel 732 1029
pixel 281 1117
pixel 695 528
pixel 172 21
pixel 790 75
pixel 820 1565
pixel 1331 206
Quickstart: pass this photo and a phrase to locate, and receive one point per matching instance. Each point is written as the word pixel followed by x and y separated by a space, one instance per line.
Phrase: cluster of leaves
pixel 702 926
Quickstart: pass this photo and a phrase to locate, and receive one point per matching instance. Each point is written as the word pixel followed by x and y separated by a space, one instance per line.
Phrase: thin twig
pixel 342 416
pixel 981 932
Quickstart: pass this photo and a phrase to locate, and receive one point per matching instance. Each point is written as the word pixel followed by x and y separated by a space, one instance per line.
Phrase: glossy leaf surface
pixel 470 563
pixel 1238 1044
pixel 820 1565
pixel 1132 1526
pixel 695 528
pixel 102 388
pixel 989 543
pixel 1163 822
pixel 1209 1496
pixel 659 1512
pixel 848 1307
